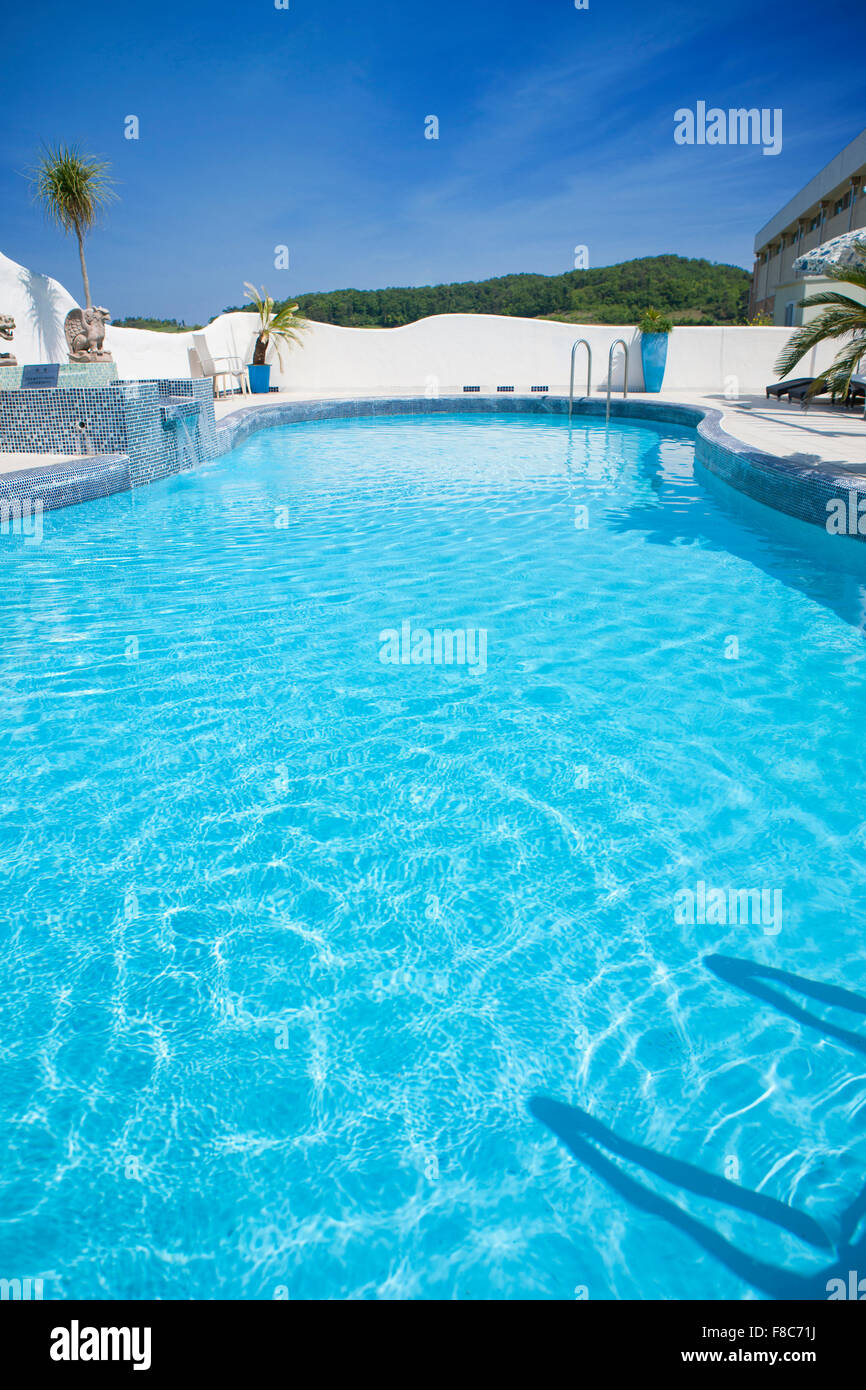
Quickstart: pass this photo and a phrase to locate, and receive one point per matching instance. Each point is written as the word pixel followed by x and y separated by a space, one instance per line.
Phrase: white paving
pixel 13 463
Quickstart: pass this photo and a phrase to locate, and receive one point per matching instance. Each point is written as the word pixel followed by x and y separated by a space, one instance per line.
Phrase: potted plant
pixel 281 326
pixel 654 330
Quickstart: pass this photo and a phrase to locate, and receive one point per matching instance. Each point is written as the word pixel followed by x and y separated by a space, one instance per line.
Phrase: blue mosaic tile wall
pixel 161 427
pixel 62 485
pixel 65 420
pixel 168 437
pixel 71 374
pixel 800 491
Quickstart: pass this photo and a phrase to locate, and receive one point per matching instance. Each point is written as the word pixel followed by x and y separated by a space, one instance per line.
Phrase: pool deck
pixel 24 463
pixel 824 437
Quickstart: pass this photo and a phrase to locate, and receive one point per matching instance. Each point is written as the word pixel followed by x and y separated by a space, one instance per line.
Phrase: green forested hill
pixel 157 325
pixel 688 291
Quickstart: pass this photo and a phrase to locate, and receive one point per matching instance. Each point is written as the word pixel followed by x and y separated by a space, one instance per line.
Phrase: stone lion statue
pixel 85 334
pixel 7 328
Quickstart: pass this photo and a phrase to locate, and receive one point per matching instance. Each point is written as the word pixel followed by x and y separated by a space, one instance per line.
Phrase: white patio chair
pixel 220 368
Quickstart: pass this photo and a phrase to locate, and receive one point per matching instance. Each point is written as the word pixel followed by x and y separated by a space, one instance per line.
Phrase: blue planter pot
pixel 653 355
pixel 260 379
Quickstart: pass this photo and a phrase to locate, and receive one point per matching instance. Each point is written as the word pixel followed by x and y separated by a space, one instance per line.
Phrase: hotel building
pixel 833 202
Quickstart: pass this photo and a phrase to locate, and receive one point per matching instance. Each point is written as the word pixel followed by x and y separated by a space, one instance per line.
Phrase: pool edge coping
pixel 66 483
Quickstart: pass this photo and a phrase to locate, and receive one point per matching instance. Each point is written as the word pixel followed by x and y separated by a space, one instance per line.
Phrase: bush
pixel 651 321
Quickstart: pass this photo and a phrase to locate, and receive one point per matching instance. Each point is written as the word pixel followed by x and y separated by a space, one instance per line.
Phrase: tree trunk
pixel 88 302
pixel 260 351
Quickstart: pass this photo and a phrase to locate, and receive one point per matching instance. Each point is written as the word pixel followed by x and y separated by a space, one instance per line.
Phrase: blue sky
pixel 305 127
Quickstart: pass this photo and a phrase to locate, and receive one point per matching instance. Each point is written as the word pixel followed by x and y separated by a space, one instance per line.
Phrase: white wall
pixel 440 354
pixel 39 306
pixel 452 350
pixel 795 291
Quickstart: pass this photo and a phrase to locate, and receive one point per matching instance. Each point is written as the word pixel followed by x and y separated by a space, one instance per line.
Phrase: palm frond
pixel 281 326
pixel 842 314
pixel 71 187
pixel 833 297
pixel 837 377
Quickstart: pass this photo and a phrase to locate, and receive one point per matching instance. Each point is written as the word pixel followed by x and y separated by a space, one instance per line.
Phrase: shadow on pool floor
pixel 586 1136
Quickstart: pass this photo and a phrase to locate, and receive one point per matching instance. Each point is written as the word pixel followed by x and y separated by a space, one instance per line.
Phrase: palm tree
pixel 842 315
pixel 283 326
pixel 73 189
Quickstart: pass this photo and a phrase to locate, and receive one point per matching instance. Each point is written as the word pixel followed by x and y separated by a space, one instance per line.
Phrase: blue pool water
pixel 323 976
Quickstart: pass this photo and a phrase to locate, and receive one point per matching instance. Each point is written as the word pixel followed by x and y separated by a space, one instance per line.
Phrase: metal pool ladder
pixel 620 342
pixel 588 372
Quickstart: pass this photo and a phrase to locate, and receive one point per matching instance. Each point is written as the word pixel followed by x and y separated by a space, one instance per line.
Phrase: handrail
pixel 588 372
pixel 620 342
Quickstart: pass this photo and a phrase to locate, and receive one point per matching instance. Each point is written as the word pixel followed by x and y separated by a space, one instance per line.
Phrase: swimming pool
pixel 329 975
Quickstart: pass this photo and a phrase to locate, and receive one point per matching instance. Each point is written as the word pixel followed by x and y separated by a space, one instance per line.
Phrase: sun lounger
pixel 784 388
pixel 856 390
pixel 802 394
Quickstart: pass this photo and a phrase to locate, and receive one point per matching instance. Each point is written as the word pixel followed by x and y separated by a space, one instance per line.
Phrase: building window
pixel 790 314
pixel 841 204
